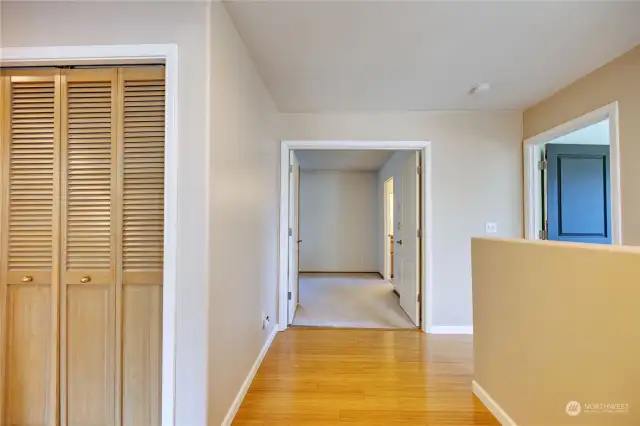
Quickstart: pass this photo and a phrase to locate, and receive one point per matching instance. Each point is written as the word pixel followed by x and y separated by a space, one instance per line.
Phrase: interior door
pixel 294 212
pixel 29 123
pixel 578 190
pixel 299 239
pixel 408 241
pixel 81 252
pixel 141 239
pixel 89 222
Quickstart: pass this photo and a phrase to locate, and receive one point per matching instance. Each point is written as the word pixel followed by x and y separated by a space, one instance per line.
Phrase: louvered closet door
pixel 30 238
pixel 89 221
pixel 142 188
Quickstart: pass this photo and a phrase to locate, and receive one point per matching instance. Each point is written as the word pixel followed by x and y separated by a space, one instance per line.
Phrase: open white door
pixel 408 239
pixel 294 243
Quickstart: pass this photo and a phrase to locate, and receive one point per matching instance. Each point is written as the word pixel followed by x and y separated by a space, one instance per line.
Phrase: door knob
pixel 299 241
pixel 85 279
pixel 399 242
pixel 27 279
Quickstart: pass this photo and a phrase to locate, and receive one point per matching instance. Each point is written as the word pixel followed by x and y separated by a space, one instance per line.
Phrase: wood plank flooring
pixel 364 377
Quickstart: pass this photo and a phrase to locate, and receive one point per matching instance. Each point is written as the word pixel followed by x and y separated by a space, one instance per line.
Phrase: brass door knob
pixel 86 279
pixel 27 279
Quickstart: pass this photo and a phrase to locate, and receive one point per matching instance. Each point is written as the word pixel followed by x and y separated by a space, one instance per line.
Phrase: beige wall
pixel 338 221
pixel 557 322
pixel 476 178
pixel 228 174
pixel 243 230
pixel 615 81
pixel 185 24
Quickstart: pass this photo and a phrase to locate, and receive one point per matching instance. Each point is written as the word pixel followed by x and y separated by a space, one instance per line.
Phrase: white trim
pixel 53 55
pixel 451 329
pixel 237 402
pixel 167 53
pixel 492 405
pixel 427 244
pixel 532 184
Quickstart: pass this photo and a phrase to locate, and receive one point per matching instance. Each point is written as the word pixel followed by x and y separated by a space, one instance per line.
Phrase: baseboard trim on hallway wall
pixel 451 329
pixel 237 402
pixel 341 272
pixel 492 405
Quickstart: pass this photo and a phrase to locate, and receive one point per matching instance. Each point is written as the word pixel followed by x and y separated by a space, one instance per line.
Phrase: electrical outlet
pixel 491 227
pixel 265 321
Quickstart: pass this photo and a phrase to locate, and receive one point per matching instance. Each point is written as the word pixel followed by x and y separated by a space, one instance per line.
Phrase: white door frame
pixel 144 53
pixel 426 285
pixel 532 181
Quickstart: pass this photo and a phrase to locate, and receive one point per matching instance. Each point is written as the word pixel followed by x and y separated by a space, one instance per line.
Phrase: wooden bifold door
pixel 81 246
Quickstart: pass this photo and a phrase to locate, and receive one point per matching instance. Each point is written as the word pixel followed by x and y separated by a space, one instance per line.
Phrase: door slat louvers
pixel 143 192
pixel 31 157
pixel 89 309
pixel 89 127
pixel 141 185
pixel 81 247
pixel 29 256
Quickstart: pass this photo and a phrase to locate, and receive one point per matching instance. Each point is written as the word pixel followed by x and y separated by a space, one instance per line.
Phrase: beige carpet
pixel 349 300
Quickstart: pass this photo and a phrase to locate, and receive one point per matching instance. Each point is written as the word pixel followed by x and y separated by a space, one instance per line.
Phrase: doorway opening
pixel 572 181
pixel 336 218
pixel 388 243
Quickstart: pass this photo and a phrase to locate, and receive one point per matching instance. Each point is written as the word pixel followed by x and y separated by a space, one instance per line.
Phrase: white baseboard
pixel 451 329
pixel 228 419
pixel 492 405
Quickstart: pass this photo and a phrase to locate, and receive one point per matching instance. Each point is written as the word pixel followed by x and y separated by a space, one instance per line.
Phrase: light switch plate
pixel 491 227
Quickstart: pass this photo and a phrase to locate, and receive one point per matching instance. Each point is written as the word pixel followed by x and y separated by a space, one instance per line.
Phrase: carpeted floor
pixel 349 300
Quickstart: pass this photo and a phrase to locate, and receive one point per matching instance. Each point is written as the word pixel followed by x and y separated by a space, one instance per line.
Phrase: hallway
pixel 364 377
pixel 352 300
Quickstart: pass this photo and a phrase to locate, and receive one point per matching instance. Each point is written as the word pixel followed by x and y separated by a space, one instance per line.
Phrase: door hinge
pixel 290 168
pixel 290 232
pixel 419 297
pixel 289 296
pixel 543 234
pixel 419 233
pixel 419 169
pixel 542 165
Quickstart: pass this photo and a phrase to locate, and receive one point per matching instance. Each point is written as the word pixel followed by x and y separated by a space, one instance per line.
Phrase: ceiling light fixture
pixel 480 88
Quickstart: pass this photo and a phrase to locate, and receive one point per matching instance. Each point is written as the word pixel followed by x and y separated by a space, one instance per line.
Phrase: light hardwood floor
pixel 364 377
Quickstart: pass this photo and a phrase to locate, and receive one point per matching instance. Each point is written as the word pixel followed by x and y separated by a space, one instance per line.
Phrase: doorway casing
pixel 533 183
pixel 137 54
pixel 426 284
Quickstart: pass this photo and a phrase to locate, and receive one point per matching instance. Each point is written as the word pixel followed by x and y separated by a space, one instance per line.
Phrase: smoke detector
pixel 480 88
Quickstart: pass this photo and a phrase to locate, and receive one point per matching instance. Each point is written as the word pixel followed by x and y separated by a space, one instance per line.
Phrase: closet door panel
pixel 142 355
pixel 28 354
pixel 29 250
pixel 89 222
pixel 142 188
pixel 90 355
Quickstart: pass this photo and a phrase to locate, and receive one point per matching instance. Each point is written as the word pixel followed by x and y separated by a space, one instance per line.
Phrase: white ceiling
pixel 346 160
pixel 395 55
